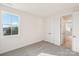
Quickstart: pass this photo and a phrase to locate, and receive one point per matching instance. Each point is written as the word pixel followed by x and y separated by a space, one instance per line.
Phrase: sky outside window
pixel 10 19
pixel 6 18
pixel 14 20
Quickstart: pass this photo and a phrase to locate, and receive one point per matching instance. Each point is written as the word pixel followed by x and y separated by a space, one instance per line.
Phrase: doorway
pixel 66 31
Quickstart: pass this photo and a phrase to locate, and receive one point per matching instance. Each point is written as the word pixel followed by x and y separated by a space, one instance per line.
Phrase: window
pixel 10 24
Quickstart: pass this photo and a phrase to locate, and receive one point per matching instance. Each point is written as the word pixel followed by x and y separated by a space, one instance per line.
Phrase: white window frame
pixel 2 12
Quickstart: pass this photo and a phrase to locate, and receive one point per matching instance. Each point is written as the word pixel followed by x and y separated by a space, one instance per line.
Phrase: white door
pixel 53 30
pixel 50 30
pixel 57 30
pixel 75 32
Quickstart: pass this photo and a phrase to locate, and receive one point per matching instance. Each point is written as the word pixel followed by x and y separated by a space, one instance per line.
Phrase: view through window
pixel 10 24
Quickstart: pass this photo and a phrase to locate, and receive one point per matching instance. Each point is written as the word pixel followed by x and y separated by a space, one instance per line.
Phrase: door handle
pixel 74 36
pixel 50 33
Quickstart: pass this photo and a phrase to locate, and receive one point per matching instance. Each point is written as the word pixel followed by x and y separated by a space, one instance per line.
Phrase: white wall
pixel 31 31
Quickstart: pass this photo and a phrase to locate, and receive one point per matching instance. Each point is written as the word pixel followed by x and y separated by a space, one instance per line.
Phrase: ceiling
pixel 45 9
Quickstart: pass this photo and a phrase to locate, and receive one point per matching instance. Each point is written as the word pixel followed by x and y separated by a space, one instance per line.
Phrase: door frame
pixel 61 36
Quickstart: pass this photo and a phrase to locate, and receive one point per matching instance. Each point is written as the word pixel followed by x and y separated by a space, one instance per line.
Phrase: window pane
pixel 15 20
pixel 14 24
pixel 14 30
pixel 6 18
pixel 10 24
pixel 6 30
